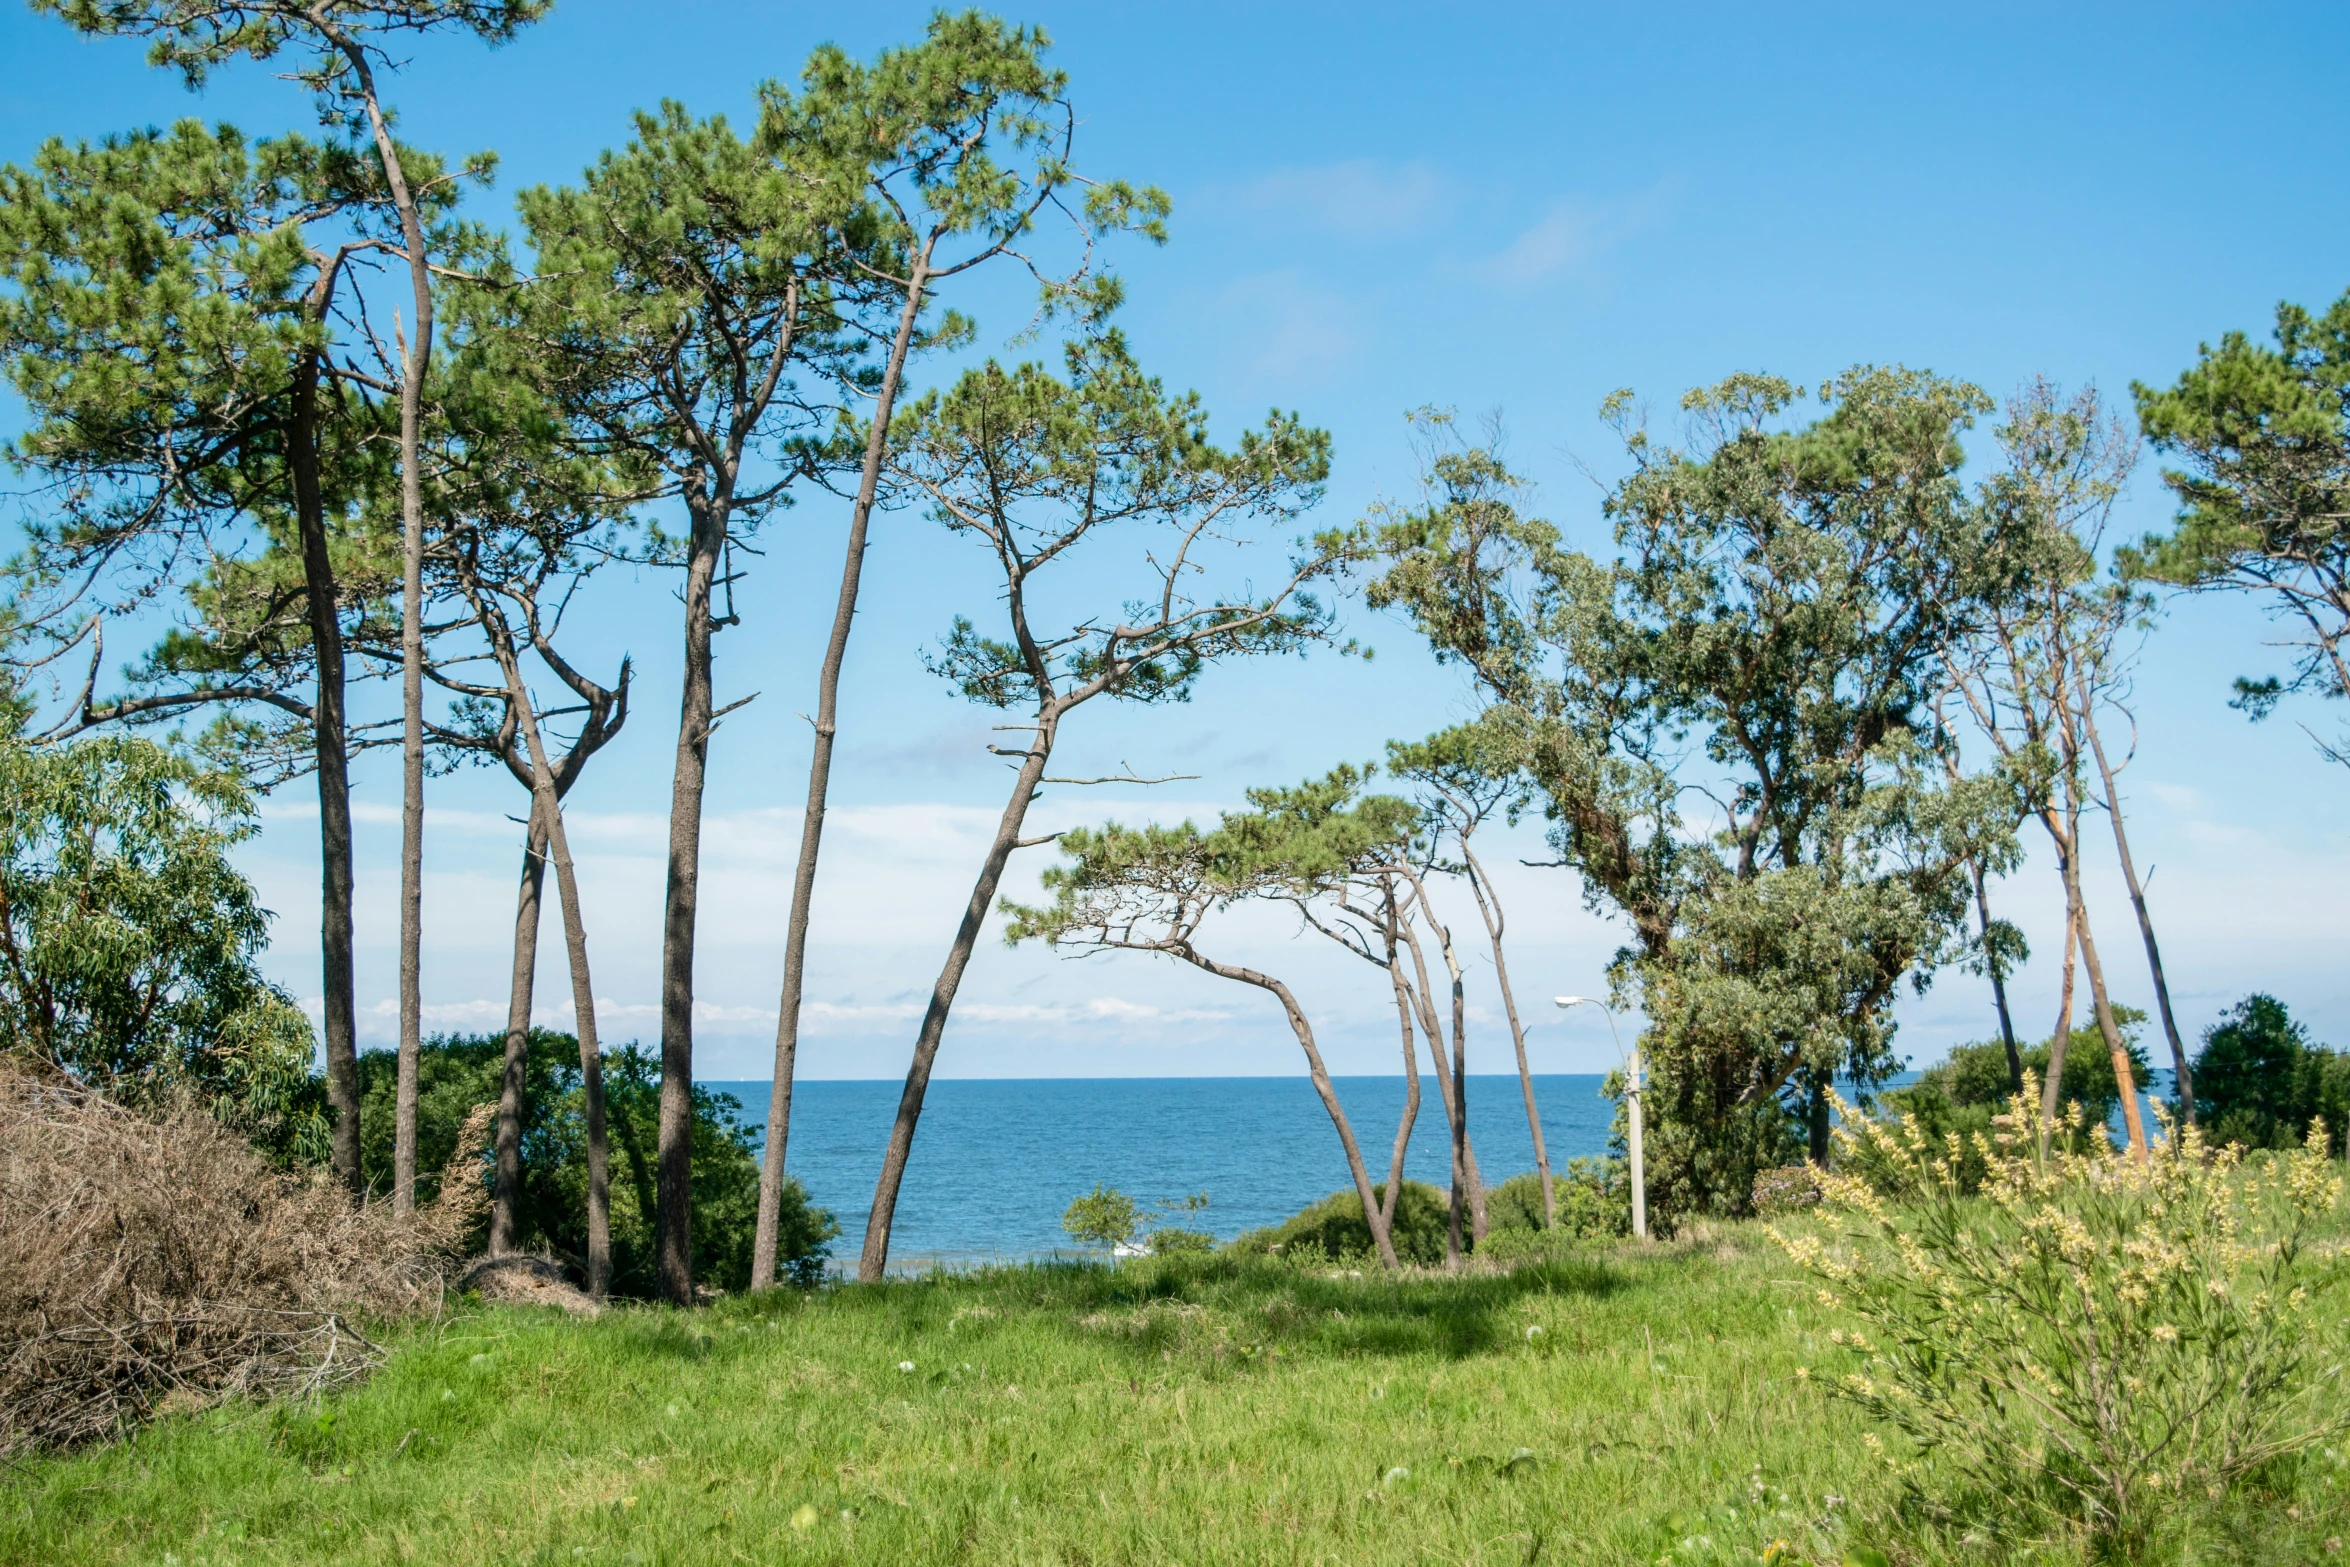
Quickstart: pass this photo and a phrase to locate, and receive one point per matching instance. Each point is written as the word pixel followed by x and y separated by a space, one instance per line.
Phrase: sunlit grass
pixel 1624 1406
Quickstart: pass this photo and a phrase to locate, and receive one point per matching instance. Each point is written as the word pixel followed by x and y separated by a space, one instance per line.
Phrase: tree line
pixel 1788 734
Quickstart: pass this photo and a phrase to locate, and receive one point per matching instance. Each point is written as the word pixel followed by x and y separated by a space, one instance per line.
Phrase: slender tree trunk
pixel 1468 1189
pixel 2051 1091
pixel 1455 1126
pixel 1411 1077
pixel 1460 1094
pixel 506 1188
pixel 2185 1080
pixel 2124 1080
pixel 1819 1118
pixel 874 1260
pixel 795 941
pixel 330 746
pixel 1489 907
pixel 415 360
pixel 1997 969
pixel 673 1239
pixel 547 812
pixel 1375 1216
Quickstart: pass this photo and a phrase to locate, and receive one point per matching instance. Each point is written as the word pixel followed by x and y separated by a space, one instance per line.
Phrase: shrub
pixel 1102 1217
pixel 458 1070
pixel 1592 1197
pixel 2259 1080
pixel 1334 1227
pixel 2091 1343
pixel 145 1257
pixel 1789 1189
pixel 131 941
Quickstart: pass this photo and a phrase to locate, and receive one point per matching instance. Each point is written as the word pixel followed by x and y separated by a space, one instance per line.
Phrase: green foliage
pixel 1032 467
pixel 197 37
pixel 1593 1196
pixel 1102 1217
pixel 129 943
pixel 455 1073
pixel 2260 1080
pixel 1109 1219
pixel 1767 640
pixel 2262 435
pixel 1333 1229
pixel 2094 1343
pixel 1150 886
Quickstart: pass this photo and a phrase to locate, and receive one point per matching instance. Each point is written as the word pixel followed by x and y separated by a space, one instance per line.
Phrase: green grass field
pixel 1632 1406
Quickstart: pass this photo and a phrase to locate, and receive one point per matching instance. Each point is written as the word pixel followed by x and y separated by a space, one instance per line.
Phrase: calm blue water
pixel 996 1162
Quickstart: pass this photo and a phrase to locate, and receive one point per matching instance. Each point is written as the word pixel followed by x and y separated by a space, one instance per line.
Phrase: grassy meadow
pixel 1624 1405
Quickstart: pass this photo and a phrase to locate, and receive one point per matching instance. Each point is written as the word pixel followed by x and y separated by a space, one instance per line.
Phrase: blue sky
pixel 1378 208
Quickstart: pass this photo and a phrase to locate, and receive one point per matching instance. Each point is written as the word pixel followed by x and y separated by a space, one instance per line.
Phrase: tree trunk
pixel 2185 1077
pixel 415 359
pixel 1467 1189
pixel 506 1188
pixel 874 1259
pixel 795 941
pixel 1489 907
pixel 1375 1217
pixel 1998 971
pixel 547 812
pixel 673 1237
pixel 331 747
pixel 2051 1091
pixel 1411 1077
pixel 2123 1079
pixel 1819 1118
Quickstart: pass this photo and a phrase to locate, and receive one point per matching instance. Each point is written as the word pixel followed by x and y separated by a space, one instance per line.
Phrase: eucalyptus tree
pixel 964 142
pixel 1043 473
pixel 339 47
pixel 1469 774
pixel 177 324
pixel 684 323
pixel 2261 435
pixel 2042 661
pixel 1148 889
pixel 1765 644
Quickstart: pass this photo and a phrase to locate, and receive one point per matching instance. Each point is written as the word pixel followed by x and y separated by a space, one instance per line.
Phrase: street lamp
pixel 1631 1064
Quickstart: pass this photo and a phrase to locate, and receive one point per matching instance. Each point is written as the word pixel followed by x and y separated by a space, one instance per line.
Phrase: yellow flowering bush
pixel 2090 1342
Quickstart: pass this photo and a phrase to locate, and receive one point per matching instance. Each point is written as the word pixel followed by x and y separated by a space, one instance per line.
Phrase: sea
pixel 996 1161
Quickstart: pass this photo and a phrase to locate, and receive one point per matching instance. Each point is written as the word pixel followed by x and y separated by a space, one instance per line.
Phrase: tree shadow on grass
pixel 1247 1306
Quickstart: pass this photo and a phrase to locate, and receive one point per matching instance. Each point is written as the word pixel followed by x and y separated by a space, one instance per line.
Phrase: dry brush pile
pixel 151 1262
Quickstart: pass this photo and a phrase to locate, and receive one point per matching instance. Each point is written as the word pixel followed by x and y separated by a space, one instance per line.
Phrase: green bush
pixel 2092 1343
pixel 1334 1228
pixel 457 1072
pixel 2259 1081
pixel 1961 1096
pixel 133 942
pixel 1592 1196
pixel 1105 1218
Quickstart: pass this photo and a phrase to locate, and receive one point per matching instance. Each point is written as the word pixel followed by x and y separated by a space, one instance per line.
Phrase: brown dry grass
pixel 152 1259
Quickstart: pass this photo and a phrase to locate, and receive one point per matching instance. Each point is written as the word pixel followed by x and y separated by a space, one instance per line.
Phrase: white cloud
pixel 1570 234
pixel 1360 198
pixel 1285 324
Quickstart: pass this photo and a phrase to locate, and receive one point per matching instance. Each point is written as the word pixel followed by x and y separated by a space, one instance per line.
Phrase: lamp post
pixel 1631 1064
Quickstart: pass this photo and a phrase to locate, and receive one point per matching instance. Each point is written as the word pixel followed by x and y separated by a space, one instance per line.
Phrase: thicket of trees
pixel 307 391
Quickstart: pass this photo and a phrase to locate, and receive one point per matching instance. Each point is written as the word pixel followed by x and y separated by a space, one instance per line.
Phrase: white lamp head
pixel 1570 1001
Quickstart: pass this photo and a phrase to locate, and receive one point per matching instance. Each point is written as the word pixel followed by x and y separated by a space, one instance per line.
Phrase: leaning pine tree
pixel 1043 473
pixel 1149 889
